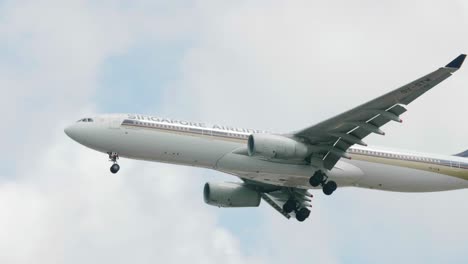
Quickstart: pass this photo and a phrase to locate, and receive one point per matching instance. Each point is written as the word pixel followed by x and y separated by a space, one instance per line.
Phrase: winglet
pixel 457 62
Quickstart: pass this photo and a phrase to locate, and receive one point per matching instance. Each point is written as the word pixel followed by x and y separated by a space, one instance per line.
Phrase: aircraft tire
pixel 316 179
pixel 302 214
pixel 115 168
pixel 329 187
pixel 289 206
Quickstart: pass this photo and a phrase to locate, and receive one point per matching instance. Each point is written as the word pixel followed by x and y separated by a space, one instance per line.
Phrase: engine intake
pixel 230 194
pixel 274 146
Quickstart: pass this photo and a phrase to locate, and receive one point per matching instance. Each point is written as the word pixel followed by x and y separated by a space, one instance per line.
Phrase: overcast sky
pixel 275 65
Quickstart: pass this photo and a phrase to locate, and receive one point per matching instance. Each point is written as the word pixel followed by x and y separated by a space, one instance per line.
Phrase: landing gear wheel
pixel 302 214
pixel 115 168
pixel 329 187
pixel 289 206
pixel 316 179
pixel 113 156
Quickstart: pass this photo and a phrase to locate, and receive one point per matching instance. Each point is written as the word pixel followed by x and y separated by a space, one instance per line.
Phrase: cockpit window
pixel 85 120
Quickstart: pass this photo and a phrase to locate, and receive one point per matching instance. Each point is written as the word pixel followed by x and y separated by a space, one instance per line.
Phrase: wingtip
pixel 457 62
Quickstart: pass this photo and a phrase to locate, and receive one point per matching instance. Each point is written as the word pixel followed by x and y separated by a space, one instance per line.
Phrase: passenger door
pixel 115 122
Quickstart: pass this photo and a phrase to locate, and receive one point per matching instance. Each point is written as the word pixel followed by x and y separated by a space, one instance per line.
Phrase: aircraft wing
pixel 331 138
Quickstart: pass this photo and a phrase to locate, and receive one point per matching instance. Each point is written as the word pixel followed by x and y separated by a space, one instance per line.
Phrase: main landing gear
pixel 320 178
pixel 113 156
pixel 301 213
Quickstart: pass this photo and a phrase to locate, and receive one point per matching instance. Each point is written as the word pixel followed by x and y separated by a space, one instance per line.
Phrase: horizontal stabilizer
pixel 463 154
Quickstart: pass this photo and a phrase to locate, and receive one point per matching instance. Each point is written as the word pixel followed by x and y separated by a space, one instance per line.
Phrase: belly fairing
pixel 283 174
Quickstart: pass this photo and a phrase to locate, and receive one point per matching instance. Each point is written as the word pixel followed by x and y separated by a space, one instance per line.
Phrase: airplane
pixel 280 169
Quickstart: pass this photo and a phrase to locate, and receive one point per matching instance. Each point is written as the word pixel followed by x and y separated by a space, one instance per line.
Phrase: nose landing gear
pixel 320 178
pixel 113 156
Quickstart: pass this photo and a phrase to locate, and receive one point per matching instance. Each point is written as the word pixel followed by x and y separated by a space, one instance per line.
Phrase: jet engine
pixel 230 194
pixel 274 146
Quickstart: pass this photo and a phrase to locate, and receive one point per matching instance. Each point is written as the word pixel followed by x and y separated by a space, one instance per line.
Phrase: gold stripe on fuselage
pixel 461 173
pixel 229 136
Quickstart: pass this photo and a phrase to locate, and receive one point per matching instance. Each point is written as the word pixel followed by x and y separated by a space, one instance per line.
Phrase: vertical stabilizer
pixel 462 154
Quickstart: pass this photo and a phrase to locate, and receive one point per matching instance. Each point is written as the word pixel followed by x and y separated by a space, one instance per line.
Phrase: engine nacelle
pixel 274 146
pixel 230 194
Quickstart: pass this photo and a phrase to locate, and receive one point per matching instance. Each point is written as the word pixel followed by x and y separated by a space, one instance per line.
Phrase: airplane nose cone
pixel 70 131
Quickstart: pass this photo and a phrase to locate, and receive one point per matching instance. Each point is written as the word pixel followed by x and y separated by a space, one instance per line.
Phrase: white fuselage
pixel 224 149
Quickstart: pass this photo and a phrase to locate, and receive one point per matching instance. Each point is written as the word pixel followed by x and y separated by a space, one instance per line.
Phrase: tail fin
pixel 464 154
